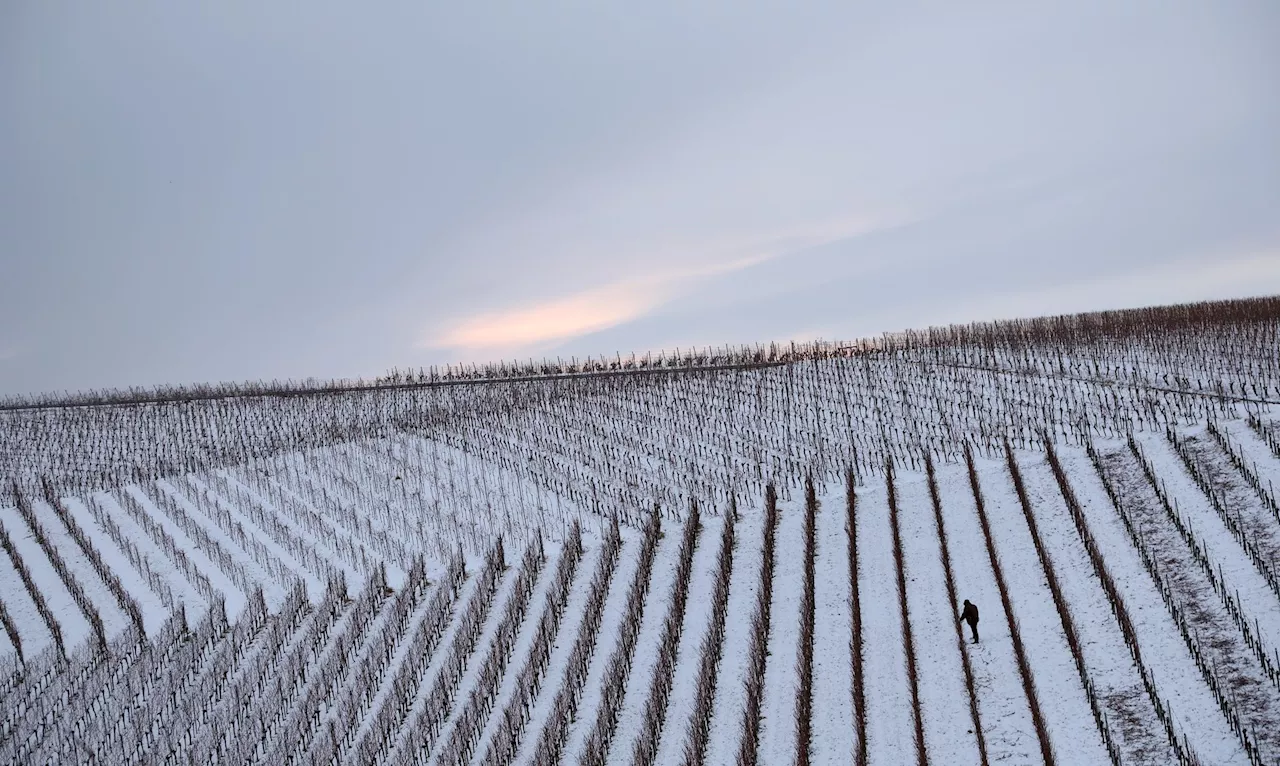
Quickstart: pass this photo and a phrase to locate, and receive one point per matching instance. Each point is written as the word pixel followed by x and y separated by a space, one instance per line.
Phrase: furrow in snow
pixel 113 617
pixel 1194 710
pixel 606 643
pixel 152 574
pixel 471 595
pixel 1002 705
pixel 1248 590
pixel 889 718
pixel 1061 695
pixel 281 564
pixel 778 707
pixel 1131 715
pixel 32 630
pixel 201 565
pixel 655 611
pixel 75 627
pixel 697 614
pixel 949 737
pixel 726 721
pixel 1252 695
pixel 522 649
pixel 484 646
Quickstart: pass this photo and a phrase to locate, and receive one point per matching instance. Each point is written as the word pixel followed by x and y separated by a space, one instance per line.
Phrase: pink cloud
pixel 609 305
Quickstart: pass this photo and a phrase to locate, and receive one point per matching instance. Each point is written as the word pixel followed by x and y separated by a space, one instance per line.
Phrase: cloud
pixel 571 181
pixel 587 311
pixel 600 307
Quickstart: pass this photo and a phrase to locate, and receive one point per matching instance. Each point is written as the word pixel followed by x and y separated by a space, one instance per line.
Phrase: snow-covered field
pixel 513 571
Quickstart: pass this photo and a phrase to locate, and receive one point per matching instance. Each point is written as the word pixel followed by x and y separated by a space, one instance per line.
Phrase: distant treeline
pixel 1091 326
pixel 1064 331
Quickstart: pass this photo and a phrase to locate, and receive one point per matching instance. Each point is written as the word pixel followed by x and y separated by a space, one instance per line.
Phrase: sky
pixel 201 192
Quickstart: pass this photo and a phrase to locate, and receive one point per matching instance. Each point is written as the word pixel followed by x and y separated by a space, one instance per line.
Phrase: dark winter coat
pixel 970 614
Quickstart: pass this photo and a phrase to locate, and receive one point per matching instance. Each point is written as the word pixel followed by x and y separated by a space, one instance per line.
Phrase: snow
pixel 184 592
pixel 726 720
pixel 228 486
pixel 113 617
pixel 383 693
pixel 562 649
pixel 283 559
pixel 370 643
pixel 8 653
pixel 153 609
pixel 948 725
pixel 460 476
pixel 242 565
pixel 75 626
pixel 235 597
pixel 606 642
pixel 1194 710
pixel 1072 731
pixel 945 712
pixel 655 611
pixel 249 675
pixel 308 682
pixel 889 720
pixel 1256 599
pixel 1132 718
pixel 1002 705
pixel 523 646
pixel 1260 524
pixel 1207 615
pixel 293 509
pixel 697 617
pixel 484 645
pixel 321 496
pixel 467 592
pixel 778 707
pixel 1257 454
pixel 32 630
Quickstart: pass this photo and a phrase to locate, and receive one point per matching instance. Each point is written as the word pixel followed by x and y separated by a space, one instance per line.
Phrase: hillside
pixel 741 555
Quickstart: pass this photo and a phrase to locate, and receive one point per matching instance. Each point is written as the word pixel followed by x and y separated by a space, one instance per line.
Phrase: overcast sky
pixel 244 190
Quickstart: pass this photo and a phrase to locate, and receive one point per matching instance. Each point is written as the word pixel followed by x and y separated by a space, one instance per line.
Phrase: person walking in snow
pixel 970 615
